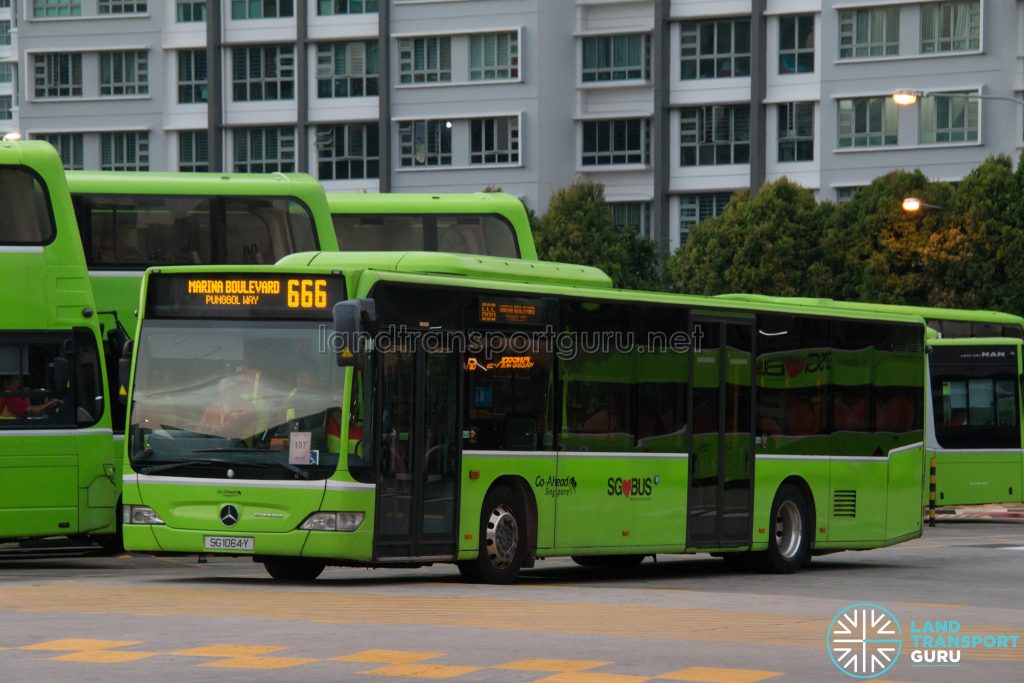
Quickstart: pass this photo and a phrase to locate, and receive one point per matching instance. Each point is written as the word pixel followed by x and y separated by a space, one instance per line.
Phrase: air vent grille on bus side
pixel 844 504
pixel 907 339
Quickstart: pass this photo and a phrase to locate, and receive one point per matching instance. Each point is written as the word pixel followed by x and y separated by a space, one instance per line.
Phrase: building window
pixel 58 75
pixel 5 4
pixel 715 49
pixel 796 44
pixel 625 141
pixel 264 150
pixel 694 208
pixel 425 143
pixel 121 7
pixel 56 8
pixel 264 72
pixel 326 7
pixel 6 72
pixel 796 131
pixel 948 117
pixel 348 151
pixel 261 9
pixel 193 151
pixel 873 32
pixel 715 135
pixel 425 60
pixel 6 107
pixel 192 83
pixel 635 216
pixel 346 69
pixel 70 146
pixel 124 73
pixel 5 33
pixel 189 11
pixel 494 141
pixel 124 151
pixel 845 194
pixel 494 56
pixel 951 26
pixel 616 58
pixel 867 122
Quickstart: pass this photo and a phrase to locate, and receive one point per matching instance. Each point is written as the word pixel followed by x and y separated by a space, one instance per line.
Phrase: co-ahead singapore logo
pixel 864 640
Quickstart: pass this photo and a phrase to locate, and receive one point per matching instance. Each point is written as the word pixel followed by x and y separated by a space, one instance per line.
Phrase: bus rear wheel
pixel 502 539
pixel 294 568
pixel 789 546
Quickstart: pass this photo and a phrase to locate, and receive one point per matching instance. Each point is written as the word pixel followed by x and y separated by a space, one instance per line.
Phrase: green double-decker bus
pixel 397 409
pixel 974 417
pixel 60 471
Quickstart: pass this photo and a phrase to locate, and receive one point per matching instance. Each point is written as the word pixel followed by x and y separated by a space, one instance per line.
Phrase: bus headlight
pixel 332 521
pixel 139 514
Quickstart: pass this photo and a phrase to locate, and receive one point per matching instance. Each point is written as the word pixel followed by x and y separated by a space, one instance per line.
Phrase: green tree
pixel 769 243
pixel 578 228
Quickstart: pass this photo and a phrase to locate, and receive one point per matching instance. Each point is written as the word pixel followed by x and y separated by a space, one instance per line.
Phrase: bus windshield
pixel 246 399
pixel 25 217
pixel 138 231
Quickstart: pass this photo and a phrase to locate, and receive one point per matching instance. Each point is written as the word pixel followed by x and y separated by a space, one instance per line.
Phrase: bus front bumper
pixel 356 546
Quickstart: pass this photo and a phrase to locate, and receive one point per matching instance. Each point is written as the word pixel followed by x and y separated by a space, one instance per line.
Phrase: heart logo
pixel 626 486
pixel 795 366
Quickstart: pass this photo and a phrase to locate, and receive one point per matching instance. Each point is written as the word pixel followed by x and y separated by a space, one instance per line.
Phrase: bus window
pixel 456 233
pixel 25 218
pixel 973 410
pixel 486 235
pixel 87 382
pixel 29 395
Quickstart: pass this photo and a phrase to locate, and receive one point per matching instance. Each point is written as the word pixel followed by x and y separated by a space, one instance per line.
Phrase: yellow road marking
pixel 562 665
pixel 104 656
pixel 263 663
pixel 705 674
pixel 74 644
pixel 388 656
pixel 423 670
pixel 592 677
pixel 231 651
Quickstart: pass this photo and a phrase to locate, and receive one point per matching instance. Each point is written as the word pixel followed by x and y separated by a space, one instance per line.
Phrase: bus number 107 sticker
pixel 299 444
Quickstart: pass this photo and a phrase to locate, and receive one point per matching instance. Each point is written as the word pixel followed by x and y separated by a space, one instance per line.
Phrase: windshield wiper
pixel 150 469
pixel 264 463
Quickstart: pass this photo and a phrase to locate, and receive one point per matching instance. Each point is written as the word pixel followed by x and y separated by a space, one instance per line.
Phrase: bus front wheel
pixel 293 568
pixel 502 539
pixel 789 546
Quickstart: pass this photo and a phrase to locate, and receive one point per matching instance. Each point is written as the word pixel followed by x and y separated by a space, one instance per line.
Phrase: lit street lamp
pixel 913 205
pixel 905 98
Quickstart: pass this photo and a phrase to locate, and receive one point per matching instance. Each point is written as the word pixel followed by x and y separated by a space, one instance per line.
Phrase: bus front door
pixel 418 415
pixel 720 500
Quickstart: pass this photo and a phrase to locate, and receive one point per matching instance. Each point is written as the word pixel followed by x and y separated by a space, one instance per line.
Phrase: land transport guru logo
pixel 864 640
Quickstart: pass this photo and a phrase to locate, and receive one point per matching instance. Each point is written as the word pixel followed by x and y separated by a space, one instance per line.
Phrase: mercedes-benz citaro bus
pixel 974 414
pixel 485 223
pixel 410 408
pixel 60 473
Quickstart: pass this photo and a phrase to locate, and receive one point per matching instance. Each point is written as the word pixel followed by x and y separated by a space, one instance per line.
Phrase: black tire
pixel 609 561
pixel 294 568
pixel 791 529
pixel 502 539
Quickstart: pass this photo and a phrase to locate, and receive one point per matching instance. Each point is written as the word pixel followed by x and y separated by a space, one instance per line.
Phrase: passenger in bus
pixel 15 406
pixel 238 408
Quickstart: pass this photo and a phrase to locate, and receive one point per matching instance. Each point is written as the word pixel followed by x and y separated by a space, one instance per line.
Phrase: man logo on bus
pixel 864 640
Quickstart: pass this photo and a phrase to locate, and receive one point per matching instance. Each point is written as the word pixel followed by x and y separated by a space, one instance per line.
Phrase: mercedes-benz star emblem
pixel 229 515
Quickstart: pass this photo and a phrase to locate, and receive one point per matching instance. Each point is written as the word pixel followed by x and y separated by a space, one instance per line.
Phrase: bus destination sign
pixel 244 295
pixel 513 311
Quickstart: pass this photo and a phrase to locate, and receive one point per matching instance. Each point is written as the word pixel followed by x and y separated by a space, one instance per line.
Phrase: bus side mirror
pixel 351 321
pixel 60 376
pixel 124 372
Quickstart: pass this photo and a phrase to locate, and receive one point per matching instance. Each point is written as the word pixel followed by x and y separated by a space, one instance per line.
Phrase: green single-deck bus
pixel 485 223
pixel 60 471
pixel 504 411
pixel 974 415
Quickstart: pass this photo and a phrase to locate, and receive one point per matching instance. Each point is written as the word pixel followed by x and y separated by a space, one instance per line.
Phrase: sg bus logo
pixel 864 640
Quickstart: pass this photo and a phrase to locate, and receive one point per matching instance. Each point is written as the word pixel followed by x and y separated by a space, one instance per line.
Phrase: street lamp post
pixel 914 204
pixel 905 98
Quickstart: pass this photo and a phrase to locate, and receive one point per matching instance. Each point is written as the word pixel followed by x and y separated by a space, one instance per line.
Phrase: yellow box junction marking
pixel 79 644
pixel 222 650
pixel 592 677
pixel 704 674
pixel 261 663
pixel 423 670
pixel 556 665
pixel 104 656
pixel 389 657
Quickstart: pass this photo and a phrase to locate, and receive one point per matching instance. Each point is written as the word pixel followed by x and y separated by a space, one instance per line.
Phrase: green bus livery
pixel 61 472
pixel 403 409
